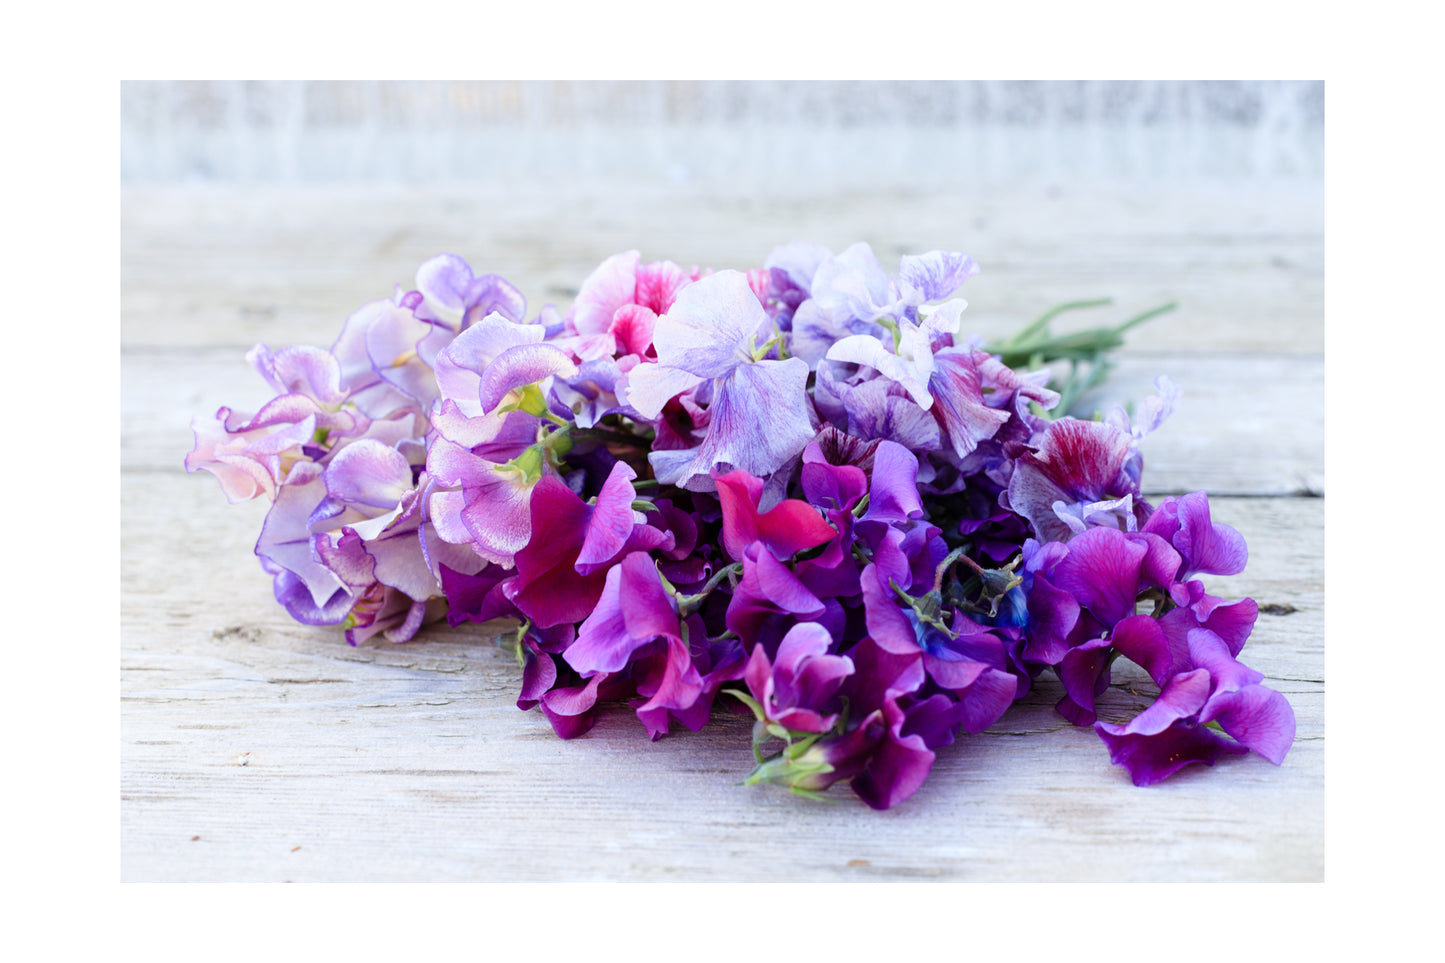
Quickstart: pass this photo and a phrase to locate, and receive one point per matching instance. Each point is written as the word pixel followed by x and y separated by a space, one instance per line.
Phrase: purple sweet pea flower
pixel 1174 731
pixel 1206 546
pixel 797 689
pixel 769 599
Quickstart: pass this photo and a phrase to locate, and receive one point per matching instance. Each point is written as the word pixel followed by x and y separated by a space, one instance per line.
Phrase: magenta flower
pixel 563 567
pixel 790 527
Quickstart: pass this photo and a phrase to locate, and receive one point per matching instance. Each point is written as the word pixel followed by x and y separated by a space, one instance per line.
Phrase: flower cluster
pixel 797 492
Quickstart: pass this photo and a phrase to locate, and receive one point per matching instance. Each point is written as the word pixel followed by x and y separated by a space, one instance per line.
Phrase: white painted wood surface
pixel 253 748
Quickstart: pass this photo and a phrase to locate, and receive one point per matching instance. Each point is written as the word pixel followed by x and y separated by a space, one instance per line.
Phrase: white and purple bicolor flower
pixel 717 334
pixel 850 292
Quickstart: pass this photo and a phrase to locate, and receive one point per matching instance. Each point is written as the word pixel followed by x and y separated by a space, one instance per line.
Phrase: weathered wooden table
pixel 253 748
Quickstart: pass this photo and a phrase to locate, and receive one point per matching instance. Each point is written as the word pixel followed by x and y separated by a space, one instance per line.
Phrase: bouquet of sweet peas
pixel 798 492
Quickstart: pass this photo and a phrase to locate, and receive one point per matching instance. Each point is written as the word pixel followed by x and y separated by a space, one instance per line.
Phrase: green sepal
pixel 528 398
pixel 528 465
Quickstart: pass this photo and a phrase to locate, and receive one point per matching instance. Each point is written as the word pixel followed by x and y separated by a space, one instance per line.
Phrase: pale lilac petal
pixel 391 345
pixel 459 367
pixel 854 284
pixel 799 261
pixel 286 536
pixel 443 282
pixel 313 372
pixel 761 417
pixel 520 366
pixel 649 387
pixel 493 294
pixel 935 275
pixel 712 326
pixel 910 372
pixel 368 473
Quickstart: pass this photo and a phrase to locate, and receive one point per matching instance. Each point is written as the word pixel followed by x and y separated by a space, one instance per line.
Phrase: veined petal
pixel 935 275
pixel 368 473
pixel 460 366
pixel 711 327
pixel 443 282
pixel 649 387
pixel 1257 717
pixel 520 366
pixel 760 418
pixel 911 373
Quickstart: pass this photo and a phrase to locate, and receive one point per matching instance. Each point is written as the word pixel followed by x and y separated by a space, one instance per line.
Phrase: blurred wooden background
pixel 248 216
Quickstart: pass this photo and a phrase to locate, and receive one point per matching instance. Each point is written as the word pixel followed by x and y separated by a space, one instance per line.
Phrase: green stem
pixel 1023 337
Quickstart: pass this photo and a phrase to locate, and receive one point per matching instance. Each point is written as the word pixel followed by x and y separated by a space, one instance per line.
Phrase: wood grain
pixel 411 762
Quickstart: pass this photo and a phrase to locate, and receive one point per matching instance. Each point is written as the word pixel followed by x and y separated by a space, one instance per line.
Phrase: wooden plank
pixel 229 266
pixel 410 762
pixel 1244 424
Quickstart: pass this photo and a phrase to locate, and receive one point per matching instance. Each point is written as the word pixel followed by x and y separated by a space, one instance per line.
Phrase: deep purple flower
pixel 1206 547
pixel 1175 731
pixel 797 689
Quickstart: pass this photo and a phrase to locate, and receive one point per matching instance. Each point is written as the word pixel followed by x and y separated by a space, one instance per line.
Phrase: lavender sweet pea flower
pixel 253 454
pixel 487 457
pixel 249 456
pixel 850 293
pixel 760 414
